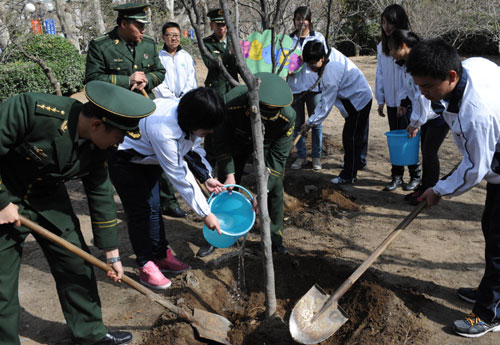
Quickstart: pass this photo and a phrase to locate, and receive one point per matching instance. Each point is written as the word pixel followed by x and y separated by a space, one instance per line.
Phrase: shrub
pixel 19 74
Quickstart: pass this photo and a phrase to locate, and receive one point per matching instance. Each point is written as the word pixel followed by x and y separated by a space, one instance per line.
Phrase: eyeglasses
pixel 172 36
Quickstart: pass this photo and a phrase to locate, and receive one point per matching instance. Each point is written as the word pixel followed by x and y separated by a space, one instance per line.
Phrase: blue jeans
pixel 310 100
pixel 138 188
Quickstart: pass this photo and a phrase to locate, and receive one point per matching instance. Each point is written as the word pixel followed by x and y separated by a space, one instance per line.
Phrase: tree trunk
pixel 67 23
pixel 169 5
pixel 99 20
pixel 4 31
pixel 259 161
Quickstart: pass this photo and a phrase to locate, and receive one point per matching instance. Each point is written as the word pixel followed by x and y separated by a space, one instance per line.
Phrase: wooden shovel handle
pixel 373 256
pixel 144 93
pixel 297 138
pixel 98 263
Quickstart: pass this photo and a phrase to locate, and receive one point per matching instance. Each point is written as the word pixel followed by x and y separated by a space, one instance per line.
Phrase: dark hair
pixel 90 110
pixel 305 12
pixel 201 108
pixel 393 14
pixel 398 37
pixel 433 58
pixel 169 25
pixel 313 51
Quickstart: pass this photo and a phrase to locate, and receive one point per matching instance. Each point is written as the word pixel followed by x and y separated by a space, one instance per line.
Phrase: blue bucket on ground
pixel 403 150
pixel 235 215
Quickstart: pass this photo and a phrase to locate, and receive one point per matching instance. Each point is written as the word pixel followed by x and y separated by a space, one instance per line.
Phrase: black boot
pixel 395 183
pixel 414 183
pixel 115 338
pixel 205 250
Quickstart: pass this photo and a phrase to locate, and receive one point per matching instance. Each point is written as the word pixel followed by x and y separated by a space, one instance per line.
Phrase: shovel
pixel 317 316
pixel 209 325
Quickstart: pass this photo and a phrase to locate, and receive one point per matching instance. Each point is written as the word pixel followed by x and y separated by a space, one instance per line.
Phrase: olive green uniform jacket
pixel 215 79
pixel 231 145
pixel 109 59
pixel 39 151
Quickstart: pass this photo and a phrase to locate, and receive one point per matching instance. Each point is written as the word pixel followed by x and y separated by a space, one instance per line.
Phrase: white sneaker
pixel 316 163
pixel 299 162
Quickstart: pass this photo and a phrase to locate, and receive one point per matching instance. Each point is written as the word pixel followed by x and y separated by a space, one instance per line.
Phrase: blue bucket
pixel 403 150
pixel 235 215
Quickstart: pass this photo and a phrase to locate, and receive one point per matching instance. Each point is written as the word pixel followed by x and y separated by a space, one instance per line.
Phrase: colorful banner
pixel 50 27
pixel 36 26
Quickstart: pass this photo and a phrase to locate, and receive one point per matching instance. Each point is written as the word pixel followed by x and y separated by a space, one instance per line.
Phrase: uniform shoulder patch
pixel 100 38
pixel 48 109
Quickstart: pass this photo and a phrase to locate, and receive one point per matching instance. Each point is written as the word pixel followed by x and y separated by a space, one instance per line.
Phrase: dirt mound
pixel 377 314
pixel 315 204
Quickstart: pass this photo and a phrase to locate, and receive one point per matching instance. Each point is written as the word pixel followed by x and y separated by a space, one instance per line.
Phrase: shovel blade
pixel 211 326
pixel 306 331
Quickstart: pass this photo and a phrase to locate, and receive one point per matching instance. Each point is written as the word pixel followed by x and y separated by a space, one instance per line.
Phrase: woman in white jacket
pixel 389 79
pixel 299 83
pixel 425 116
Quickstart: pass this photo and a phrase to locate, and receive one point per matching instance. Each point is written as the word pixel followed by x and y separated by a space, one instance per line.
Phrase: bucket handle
pixel 233 185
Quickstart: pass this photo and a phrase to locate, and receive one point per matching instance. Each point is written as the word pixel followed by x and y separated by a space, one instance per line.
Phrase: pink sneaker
pixel 171 264
pixel 151 276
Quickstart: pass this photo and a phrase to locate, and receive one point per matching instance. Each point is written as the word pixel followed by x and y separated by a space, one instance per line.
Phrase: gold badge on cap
pixel 220 12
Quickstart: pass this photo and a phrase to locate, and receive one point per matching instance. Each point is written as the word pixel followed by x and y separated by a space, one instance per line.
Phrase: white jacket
pixel 389 79
pixel 163 142
pixel 180 75
pixel 421 106
pixel 474 120
pixel 342 79
pixel 302 80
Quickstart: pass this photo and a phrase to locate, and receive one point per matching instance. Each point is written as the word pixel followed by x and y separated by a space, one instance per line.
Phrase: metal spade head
pixel 211 326
pixel 304 329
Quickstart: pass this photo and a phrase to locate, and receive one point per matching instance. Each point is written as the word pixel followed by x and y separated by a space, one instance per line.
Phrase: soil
pixel 408 296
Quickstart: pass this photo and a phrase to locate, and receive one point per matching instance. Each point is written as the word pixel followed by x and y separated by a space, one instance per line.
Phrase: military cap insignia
pixel 219 12
pixel 289 132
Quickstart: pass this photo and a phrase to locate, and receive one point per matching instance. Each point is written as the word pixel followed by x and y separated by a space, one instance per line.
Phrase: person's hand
pixel 401 111
pixel 117 273
pixel 255 205
pixel 10 214
pixel 214 186
pixel 380 110
pixel 212 222
pixel 230 179
pixel 138 80
pixel 431 197
pixel 412 131
pixel 305 127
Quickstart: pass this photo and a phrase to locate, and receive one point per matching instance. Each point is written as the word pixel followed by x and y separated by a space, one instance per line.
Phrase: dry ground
pixel 407 297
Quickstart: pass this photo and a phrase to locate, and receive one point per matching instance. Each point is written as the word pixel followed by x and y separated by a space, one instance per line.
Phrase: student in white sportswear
pixel 180 76
pixel 345 86
pixel 469 92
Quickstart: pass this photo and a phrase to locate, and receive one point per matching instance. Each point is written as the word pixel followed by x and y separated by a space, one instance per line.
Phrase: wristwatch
pixel 113 260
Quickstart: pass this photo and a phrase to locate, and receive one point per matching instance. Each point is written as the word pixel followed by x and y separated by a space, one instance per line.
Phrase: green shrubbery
pixel 19 74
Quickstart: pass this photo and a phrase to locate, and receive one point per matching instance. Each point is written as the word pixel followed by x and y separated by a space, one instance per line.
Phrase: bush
pixel 19 74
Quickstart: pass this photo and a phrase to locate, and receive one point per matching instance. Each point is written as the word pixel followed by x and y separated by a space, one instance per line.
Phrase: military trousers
pixel 487 306
pixel 274 192
pixel 74 277
pixel 167 194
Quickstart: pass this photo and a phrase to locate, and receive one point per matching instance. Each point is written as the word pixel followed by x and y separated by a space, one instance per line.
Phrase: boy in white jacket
pixel 469 91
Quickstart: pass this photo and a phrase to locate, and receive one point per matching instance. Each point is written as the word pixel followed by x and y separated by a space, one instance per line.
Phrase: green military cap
pixel 118 106
pixel 216 15
pixel 274 93
pixel 133 11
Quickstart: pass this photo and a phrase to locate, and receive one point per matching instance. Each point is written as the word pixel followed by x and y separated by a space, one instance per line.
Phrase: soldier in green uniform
pixel 220 46
pixel 46 140
pixel 232 144
pixel 128 58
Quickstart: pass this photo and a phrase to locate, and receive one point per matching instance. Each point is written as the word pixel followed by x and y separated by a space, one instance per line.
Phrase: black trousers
pixel 353 138
pixel 487 306
pixel 432 136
